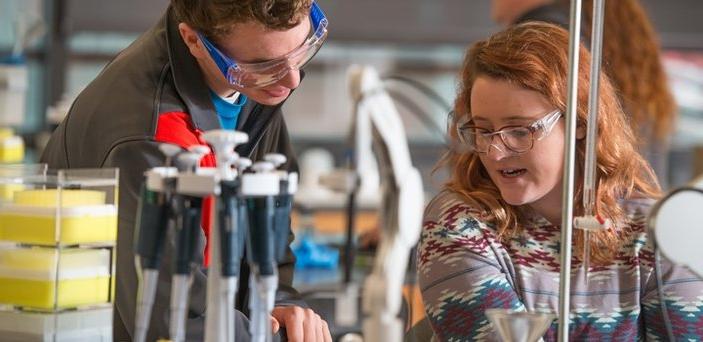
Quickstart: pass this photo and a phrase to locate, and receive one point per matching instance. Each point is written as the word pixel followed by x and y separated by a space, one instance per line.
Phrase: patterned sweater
pixel 464 270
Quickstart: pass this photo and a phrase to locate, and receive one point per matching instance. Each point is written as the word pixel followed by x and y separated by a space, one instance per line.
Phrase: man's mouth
pixel 276 92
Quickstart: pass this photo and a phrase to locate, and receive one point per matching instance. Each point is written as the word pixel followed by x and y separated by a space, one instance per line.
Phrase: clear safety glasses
pixel 517 139
pixel 257 75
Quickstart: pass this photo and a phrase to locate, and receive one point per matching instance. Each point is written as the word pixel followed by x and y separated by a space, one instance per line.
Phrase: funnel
pixel 515 326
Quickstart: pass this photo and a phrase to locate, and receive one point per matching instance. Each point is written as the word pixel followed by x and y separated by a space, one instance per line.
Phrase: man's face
pixel 251 42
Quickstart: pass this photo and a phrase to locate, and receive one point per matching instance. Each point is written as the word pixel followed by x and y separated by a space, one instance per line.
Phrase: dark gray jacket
pixel 114 122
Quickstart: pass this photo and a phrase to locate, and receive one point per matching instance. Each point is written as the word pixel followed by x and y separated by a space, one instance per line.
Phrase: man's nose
pixel 292 79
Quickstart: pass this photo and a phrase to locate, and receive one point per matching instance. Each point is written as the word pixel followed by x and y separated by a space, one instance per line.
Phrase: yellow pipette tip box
pixel 11 149
pixel 49 278
pixel 65 198
pixel 65 217
pixel 7 191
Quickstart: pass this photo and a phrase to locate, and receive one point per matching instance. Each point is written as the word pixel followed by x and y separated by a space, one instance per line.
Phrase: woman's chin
pixel 515 199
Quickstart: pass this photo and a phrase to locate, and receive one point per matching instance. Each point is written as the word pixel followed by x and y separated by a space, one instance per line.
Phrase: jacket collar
pixel 188 78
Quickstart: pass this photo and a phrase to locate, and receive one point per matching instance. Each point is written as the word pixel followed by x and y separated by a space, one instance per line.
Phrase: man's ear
pixel 190 38
pixel 580 130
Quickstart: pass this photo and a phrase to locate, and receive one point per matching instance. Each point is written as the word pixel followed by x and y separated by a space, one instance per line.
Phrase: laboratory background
pixel 57 282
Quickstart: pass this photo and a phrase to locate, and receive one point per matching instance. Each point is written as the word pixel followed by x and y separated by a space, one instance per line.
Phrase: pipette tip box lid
pixel 58 216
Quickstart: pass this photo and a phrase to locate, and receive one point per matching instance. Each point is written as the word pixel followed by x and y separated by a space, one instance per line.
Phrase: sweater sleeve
pixel 460 275
pixel 683 299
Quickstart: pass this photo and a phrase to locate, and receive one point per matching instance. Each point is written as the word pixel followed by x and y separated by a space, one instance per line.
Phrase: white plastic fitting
pixel 224 142
pixel 242 164
pixel 263 166
pixel 591 223
pixel 276 159
pixel 199 149
pixel 169 150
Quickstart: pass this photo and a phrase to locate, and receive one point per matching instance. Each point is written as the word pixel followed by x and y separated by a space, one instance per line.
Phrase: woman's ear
pixel 580 130
pixel 190 38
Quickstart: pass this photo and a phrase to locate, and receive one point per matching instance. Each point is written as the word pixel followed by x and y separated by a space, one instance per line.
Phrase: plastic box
pixel 93 325
pixel 67 209
pixel 52 216
pixel 14 176
pixel 57 253
pixel 47 278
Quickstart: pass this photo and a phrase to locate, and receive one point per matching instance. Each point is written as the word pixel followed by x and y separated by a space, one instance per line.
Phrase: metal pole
pixel 592 133
pixel 589 182
pixel 568 178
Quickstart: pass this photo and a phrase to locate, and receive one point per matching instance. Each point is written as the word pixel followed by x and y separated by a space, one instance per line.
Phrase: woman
pixel 491 237
pixel 631 58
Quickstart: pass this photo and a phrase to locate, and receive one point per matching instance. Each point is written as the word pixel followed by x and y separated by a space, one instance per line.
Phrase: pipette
pixel 259 190
pixel 190 189
pixel 226 238
pixel 154 216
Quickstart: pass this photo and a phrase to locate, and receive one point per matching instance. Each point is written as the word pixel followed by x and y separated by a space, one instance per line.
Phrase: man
pixel 205 65
pixel 509 12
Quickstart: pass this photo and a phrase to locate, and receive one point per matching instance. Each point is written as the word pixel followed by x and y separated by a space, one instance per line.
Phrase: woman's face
pixel 533 177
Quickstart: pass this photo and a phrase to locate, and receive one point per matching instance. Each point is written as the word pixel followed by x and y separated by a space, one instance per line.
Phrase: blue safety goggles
pixel 257 75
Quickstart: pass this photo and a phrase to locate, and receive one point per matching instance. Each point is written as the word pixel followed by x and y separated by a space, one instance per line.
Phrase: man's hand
pixel 301 324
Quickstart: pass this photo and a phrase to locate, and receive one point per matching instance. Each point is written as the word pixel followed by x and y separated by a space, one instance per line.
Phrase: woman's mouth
pixel 512 173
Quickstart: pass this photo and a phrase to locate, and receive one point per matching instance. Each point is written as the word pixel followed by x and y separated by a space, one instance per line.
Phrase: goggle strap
pixel 317 16
pixel 221 60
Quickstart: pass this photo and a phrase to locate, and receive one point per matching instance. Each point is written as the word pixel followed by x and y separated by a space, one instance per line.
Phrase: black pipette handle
pixel 152 224
pixel 232 227
pixel 283 208
pixel 261 234
pixel 187 229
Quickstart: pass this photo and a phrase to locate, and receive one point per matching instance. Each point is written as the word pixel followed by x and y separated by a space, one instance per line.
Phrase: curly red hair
pixel 534 56
pixel 632 60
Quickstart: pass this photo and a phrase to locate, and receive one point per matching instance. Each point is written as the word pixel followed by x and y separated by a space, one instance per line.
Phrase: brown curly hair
pixel 534 56
pixel 632 60
pixel 215 18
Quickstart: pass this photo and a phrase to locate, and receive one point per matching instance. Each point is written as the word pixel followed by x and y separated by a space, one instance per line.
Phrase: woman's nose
pixel 497 150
